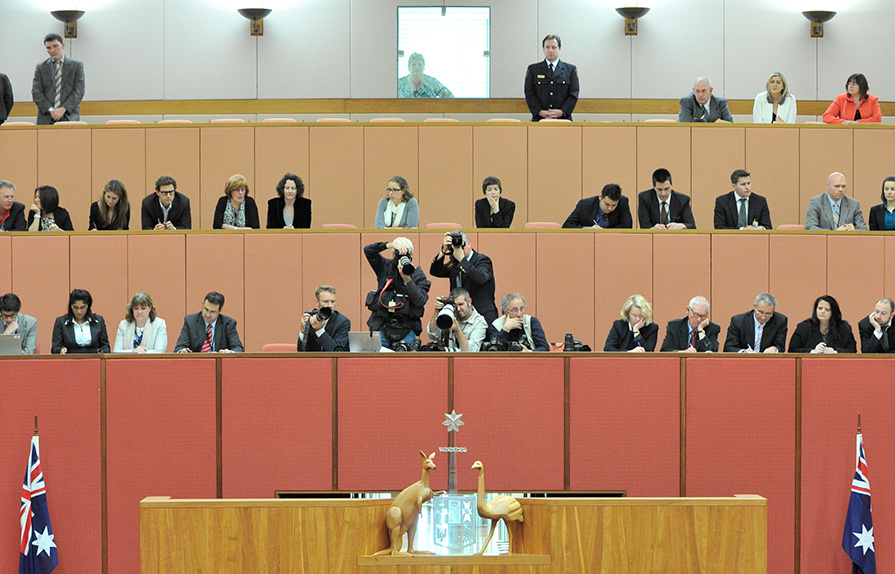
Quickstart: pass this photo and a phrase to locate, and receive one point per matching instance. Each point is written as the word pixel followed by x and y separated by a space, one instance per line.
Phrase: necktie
pixel 884 340
pixel 741 216
pixel 206 346
pixel 757 346
pixel 551 68
pixel 693 338
pixel 663 214
pixel 836 214
pixel 58 101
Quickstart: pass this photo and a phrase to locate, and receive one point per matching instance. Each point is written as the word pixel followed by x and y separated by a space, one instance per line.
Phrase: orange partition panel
pixel 335 259
pixel 737 450
pixel 889 248
pixel 856 279
pixel 798 275
pixel 42 288
pixel 289 399
pixel 554 171
pixel 872 165
pixel 335 156
pixel 502 152
pixel 160 441
pixel 513 256
pixel 609 157
pixel 224 151
pixel 717 151
pixel 564 287
pixel 513 417
pixel 5 263
pixel 157 265
pixel 613 400
pixel 668 147
pixel 830 408
pixel 390 151
pixel 280 149
pixel 175 152
pixel 622 267
pixel 821 152
pixel 118 154
pixel 682 268
pixel 18 161
pixel 772 156
pixel 739 273
pixel 274 300
pixel 109 288
pixel 68 172
pixel 215 262
pixel 65 396
pixel 390 408
pixel 445 173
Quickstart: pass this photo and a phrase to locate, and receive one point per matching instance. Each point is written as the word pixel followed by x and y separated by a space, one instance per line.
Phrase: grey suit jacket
pixel 192 335
pixel 716 109
pixel 43 90
pixel 820 215
pixel 155 337
pixel 28 330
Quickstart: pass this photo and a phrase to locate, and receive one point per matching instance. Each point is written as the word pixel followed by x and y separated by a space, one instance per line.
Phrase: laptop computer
pixel 10 344
pixel 364 342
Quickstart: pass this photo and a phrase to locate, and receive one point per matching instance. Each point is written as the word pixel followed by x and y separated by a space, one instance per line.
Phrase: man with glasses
pixel 167 208
pixel 758 331
pixel 17 323
pixel 12 213
pixel 515 326
pixel 694 333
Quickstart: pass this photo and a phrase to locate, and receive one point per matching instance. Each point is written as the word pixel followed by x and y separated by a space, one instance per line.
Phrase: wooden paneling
pixel 216 262
pixel 739 273
pixel 872 165
pixel 109 290
pixel 118 154
pixel 390 151
pixel 822 152
pixel 502 152
pixel 280 149
pixel 682 268
pixel 338 260
pixel 511 256
pixel 889 247
pixel 772 156
pixel 798 275
pixel 619 272
pixel 855 278
pixel 223 153
pixel 64 157
pixel 174 152
pixel 716 153
pixel 336 153
pixel 5 263
pixel 607 158
pixel 667 147
pixel 157 265
pixel 273 270
pixel 559 279
pixel 554 172
pixel 445 175
pixel 42 288
pixel 18 162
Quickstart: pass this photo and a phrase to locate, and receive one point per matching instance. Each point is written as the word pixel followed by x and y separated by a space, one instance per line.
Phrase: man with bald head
pixel 833 210
pixel 701 106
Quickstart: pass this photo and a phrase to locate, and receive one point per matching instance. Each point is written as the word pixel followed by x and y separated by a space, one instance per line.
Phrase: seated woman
pixel 289 210
pixel 80 330
pixel 112 212
pixel 882 216
pixel 635 332
pixel 141 331
pixel 855 105
pixel 775 104
pixel 235 209
pixel 398 209
pixel 45 213
pixel 493 210
pixel 825 332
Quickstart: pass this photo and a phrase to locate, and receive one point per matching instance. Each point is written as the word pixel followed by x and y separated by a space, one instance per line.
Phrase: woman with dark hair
pixel 855 105
pixel 398 209
pixel 825 332
pixel 882 216
pixel 493 210
pixel 80 330
pixel 45 213
pixel 289 210
pixel 142 331
pixel 235 209
pixel 112 212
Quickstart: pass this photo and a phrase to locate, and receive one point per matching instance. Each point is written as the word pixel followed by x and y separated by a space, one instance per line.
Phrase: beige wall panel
pixel 174 152
pixel 215 262
pixel 224 151
pixel 18 161
pixel 623 266
pixel 667 147
pixel 609 156
pixel 798 275
pixel 273 299
pixel 554 171
pixel 873 163
pixel 336 168
pixel 64 162
pixel 118 154
pixel 157 265
pixel 280 149
pixel 445 175
pixel 502 152
pixel 739 272
pixel 772 157
pixel 717 151
pixel 855 279
pixel 390 151
pixel 682 268
pixel 822 152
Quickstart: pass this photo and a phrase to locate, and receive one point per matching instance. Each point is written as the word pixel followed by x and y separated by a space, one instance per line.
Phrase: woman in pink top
pixel 855 105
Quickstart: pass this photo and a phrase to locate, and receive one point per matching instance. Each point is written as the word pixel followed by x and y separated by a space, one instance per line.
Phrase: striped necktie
pixel 58 102
pixel 836 214
pixel 742 219
pixel 206 346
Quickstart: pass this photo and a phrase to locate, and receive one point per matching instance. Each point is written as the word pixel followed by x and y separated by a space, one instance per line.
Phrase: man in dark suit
pixel 58 85
pixel 663 208
pixel 327 335
pixel 694 333
pixel 742 209
pixel 758 331
pixel 12 213
pixel 6 98
pixel 877 334
pixel 208 331
pixel 468 269
pixel 608 210
pixel 167 208
pixel 551 86
pixel 702 106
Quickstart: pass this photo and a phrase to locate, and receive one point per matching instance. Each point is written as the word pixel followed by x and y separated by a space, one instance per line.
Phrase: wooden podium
pixel 611 536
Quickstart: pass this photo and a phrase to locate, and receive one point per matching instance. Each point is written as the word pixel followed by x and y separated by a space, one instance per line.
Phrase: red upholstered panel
pixel 625 425
pixel 64 394
pixel 160 425
pixel 741 440
pixel 833 393
pixel 514 422
pixel 277 419
pixel 389 410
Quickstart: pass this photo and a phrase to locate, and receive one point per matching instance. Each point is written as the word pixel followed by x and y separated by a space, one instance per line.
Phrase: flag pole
pixel 35 425
pixel 859 424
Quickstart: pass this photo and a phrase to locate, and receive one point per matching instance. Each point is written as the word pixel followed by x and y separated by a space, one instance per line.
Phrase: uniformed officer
pixel 551 86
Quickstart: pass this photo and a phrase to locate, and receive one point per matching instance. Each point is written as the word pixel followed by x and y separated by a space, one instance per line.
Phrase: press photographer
pixel 323 328
pixel 456 325
pixel 468 269
pixel 398 303
pixel 514 326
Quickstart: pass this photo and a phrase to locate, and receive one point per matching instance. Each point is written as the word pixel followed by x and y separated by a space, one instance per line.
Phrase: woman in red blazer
pixel 843 108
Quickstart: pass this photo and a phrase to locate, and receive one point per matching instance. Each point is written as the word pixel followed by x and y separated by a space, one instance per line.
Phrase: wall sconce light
pixel 817 19
pixel 631 14
pixel 70 19
pixel 256 15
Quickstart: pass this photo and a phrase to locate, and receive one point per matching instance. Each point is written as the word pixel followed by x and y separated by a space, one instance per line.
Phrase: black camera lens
pixel 325 313
pixel 406 265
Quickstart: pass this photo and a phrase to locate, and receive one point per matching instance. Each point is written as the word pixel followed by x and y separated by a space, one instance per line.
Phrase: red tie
pixel 693 338
pixel 206 346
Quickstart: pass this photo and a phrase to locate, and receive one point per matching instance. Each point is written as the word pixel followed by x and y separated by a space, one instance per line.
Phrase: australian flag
pixel 857 539
pixel 37 548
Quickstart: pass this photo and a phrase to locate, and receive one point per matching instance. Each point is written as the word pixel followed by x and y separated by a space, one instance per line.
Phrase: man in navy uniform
pixel 551 86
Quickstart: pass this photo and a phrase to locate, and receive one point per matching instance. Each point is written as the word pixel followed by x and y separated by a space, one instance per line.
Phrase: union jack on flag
pixel 37 546
pixel 857 539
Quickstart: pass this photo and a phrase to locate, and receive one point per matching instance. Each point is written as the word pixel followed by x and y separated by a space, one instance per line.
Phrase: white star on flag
pixel 453 422
pixel 44 541
pixel 865 539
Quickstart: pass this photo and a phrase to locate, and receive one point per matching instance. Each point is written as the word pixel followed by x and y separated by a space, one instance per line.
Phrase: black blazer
pixel 727 211
pixel 585 214
pixel 869 342
pixel 503 217
pixel 476 276
pixel 97 222
pixel 192 335
pixel 741 333
pixel 300 220
pixel 545 90
pixel 179 215
pixel 807 336
pixel 678 209
pixel 877 217
pixel 335 336
pixel 677 337
pixel 16 219
pixel 6 98
pixel 622 339
pixel 251 213
pixel 64 336
pixel 61 216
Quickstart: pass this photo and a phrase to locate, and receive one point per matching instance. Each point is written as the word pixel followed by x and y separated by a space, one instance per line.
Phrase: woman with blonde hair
pixel 141 331
pixel 775 104
pixel 235 209
pixel 635 332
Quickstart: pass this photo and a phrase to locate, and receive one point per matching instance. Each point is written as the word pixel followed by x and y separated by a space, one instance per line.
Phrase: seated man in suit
pixel 833 211
pixel 609 210
pixel 758 331
pixel 17 323
pixel 208 331
pixel 742 209
pixel 702 106
pixel 12 213
pixel 663 208
pixel 694 333
pixel 167 208
pixel 877 335
pixel 324 330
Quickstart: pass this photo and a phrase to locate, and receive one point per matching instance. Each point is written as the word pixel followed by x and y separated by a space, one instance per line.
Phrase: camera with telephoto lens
pixel 496 344
pixel 324 313
pixel 404 263
pixel 446 317
pixel 456 238
pixel 403 346
pixel 571 345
